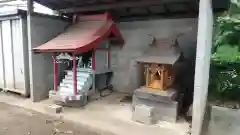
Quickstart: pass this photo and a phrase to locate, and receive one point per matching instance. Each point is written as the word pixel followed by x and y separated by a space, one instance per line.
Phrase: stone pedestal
pixel 165 104
pixel 69 101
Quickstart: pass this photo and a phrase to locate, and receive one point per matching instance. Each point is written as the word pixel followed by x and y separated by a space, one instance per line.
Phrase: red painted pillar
pixel 93 60
pixel 109 57
pixel 74 70
pixel 55 71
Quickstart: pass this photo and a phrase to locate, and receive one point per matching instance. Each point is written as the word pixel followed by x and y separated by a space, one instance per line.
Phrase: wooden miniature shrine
pixel 157 95
pixel 84 43
pixel 158 76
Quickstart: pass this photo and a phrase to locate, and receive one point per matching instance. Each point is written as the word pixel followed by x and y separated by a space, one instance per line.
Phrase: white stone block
pixel 54 108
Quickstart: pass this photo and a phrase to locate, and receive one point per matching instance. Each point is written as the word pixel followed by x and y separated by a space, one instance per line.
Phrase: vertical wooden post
pixel 146 68
pixel 74 74
pixel 55 71
pixel 74 18
pixel 93 60
pixel 109 57
pixel 147 77
pixel 161 75
pixel 30 6
pixel 93 68
pixel 29 33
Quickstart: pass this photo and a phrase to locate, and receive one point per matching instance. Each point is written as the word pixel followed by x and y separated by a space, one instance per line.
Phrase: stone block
pixel 144 110
pixel 54 108
pixel 165 109
pixel 55 96
pixel 143 114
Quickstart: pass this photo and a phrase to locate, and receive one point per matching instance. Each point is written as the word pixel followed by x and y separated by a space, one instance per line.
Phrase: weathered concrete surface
pixel 203 55
pixel 223 121
pixel 43 29
pixel 106 115
pixel 18 121
pixel 143 114
pixel 126 77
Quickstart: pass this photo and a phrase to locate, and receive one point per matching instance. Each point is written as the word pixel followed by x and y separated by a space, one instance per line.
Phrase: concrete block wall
pixel 126 70
pixel 43 29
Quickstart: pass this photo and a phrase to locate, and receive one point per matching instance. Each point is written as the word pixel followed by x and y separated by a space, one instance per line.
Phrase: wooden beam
pixel 192 6
pixel 50 4
pixel 118 5
pixel 3 1
pixel 175 15
pixel 30 6
pixel 29 41
pixel 167 9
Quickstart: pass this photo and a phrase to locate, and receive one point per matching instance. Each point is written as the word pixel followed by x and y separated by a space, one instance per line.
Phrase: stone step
pixel 79 87
pixel 79 74
pixel 70 78
pixel 67 90
pixel 87 70
pixel 70 81
pixel 84 82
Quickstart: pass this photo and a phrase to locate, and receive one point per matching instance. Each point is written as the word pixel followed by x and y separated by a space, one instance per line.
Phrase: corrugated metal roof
pixel 82 36
pixel 19 12
pixel 61 4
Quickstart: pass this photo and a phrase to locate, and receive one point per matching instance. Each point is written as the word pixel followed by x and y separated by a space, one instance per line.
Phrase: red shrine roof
pixel 84 35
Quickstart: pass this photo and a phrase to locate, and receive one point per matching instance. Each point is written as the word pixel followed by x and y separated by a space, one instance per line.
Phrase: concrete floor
pixel 19 121
pixel 106 116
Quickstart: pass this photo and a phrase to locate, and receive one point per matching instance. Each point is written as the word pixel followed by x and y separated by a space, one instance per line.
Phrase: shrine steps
pixel 84 82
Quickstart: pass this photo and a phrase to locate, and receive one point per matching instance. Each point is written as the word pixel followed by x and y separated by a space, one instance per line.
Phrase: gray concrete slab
pixel 19 121
pixel 105 115
pixel 222 121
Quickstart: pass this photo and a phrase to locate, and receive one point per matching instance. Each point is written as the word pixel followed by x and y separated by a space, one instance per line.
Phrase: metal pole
pixel 74 74
pixel 55 72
